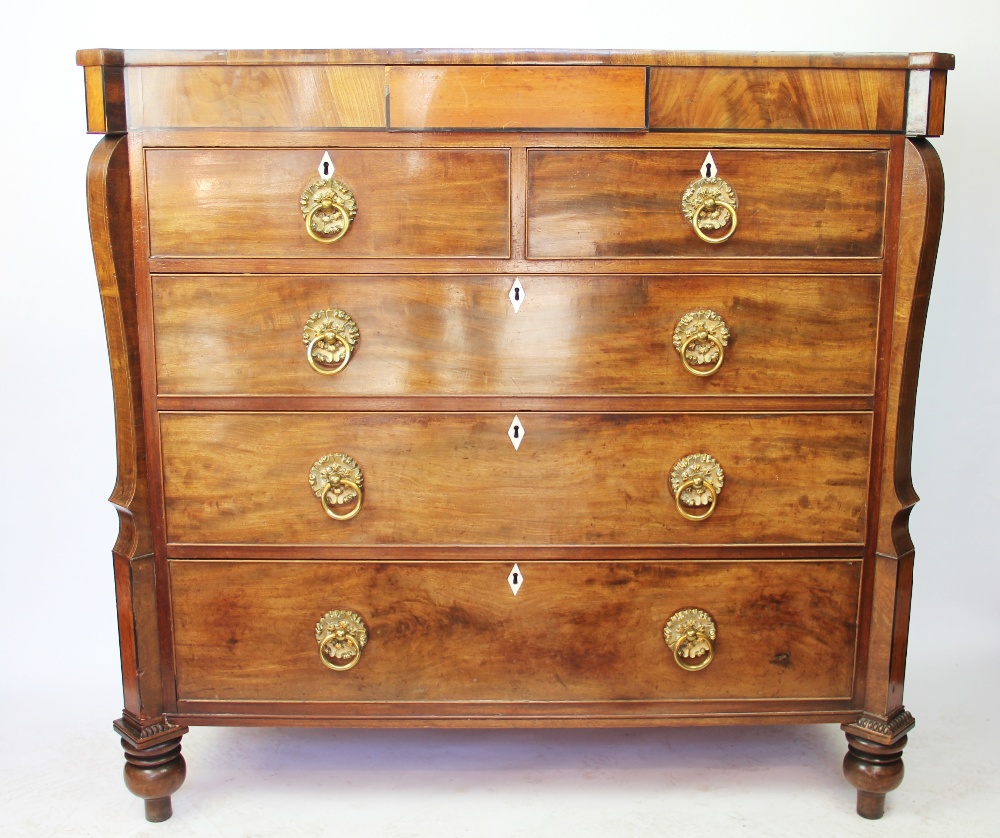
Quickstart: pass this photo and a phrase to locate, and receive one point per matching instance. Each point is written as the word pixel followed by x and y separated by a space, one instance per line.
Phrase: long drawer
pixel 625 203
pixel 410 202
pixel 457 478
pixel 445 335
pixel 576 631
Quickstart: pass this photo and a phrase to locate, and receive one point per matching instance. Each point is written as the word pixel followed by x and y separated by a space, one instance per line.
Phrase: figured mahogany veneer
pixel 455 478
pixel 459 336
pixel 562 172
pixel 413 202
pixel 624 204
pixel 597 626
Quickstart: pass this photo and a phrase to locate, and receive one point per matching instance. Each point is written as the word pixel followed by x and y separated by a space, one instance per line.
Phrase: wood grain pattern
pixel 517 97
pixel 109 209
pixel 920 229
pixel 935 105
pixel 454 479
pixel 439 336
pixel 614 204
pixel 261 97
pixel 687 98
pixel 575 631
pixel 153 57
pixel 336 138
pixel 411 202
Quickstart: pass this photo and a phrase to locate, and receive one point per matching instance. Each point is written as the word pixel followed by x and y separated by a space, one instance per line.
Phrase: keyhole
pixel 517 293
pixel 517 431
pixel 515 578
pixel 326 168
pixel 708 170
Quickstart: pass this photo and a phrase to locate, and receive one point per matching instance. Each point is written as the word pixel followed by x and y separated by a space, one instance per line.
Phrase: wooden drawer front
pixel 796 99
pixel 460 335
pixel 259 97
pixel 411 202
pixel 604 204
pixel 510 98
pixel 454 632
pixel 456 479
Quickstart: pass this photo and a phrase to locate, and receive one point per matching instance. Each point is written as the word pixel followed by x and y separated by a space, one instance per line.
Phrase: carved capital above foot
pixel 884 731
pixel 143 734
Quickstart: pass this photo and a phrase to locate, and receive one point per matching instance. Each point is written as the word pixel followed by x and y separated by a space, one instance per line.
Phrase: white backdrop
pixel 59 680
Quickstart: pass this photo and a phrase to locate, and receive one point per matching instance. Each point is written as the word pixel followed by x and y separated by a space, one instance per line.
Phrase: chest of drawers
pixel 513 389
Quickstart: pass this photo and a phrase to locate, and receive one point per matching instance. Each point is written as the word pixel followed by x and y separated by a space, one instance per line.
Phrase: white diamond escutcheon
pixel 325 167
pixel 516 579
pixel 516 433
pixel 516 295
pixel 708 168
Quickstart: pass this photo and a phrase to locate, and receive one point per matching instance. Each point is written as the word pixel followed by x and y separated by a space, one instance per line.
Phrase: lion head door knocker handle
pixel 337 481
pixel 328 205
pixel 341 636
pixel 696 481
pixel 701 338
pixel 330 336
pixel 690 634
pixel 710 203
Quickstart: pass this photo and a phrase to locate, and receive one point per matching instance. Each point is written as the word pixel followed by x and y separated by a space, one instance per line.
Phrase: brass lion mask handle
pixel 328 207
pixel 696 481
pixel 330 336
pixel 710 203
pixel 690 634
pixel 701 338
pixel 341 635
pixel 336 480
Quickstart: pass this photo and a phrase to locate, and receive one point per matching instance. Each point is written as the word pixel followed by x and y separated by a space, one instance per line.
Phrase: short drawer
pixel 626 203
pixel 457 479
pixel 410 202
pixel 576 631
pixel 571 336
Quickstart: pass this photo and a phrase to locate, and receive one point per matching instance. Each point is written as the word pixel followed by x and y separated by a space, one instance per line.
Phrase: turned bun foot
pixel 154 774
pixel 874 770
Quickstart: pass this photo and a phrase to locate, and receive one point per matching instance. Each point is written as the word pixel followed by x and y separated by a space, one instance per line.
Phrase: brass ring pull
pixel 331 487
pixel 691 634
pixel 702 337
pixel 328 205
pixel 336 480
pixel 355 648
pixel 698 483
pixel 327 338
pixel 338 205
pixel 711 204
pixel 341 636
pixel 327 333
pixel 687 643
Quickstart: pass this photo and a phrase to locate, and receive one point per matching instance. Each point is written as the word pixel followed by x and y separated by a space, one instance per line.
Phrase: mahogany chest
pixel 513 388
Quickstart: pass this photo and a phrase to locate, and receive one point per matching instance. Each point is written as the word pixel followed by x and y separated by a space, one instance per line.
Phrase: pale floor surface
pixel 62 776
